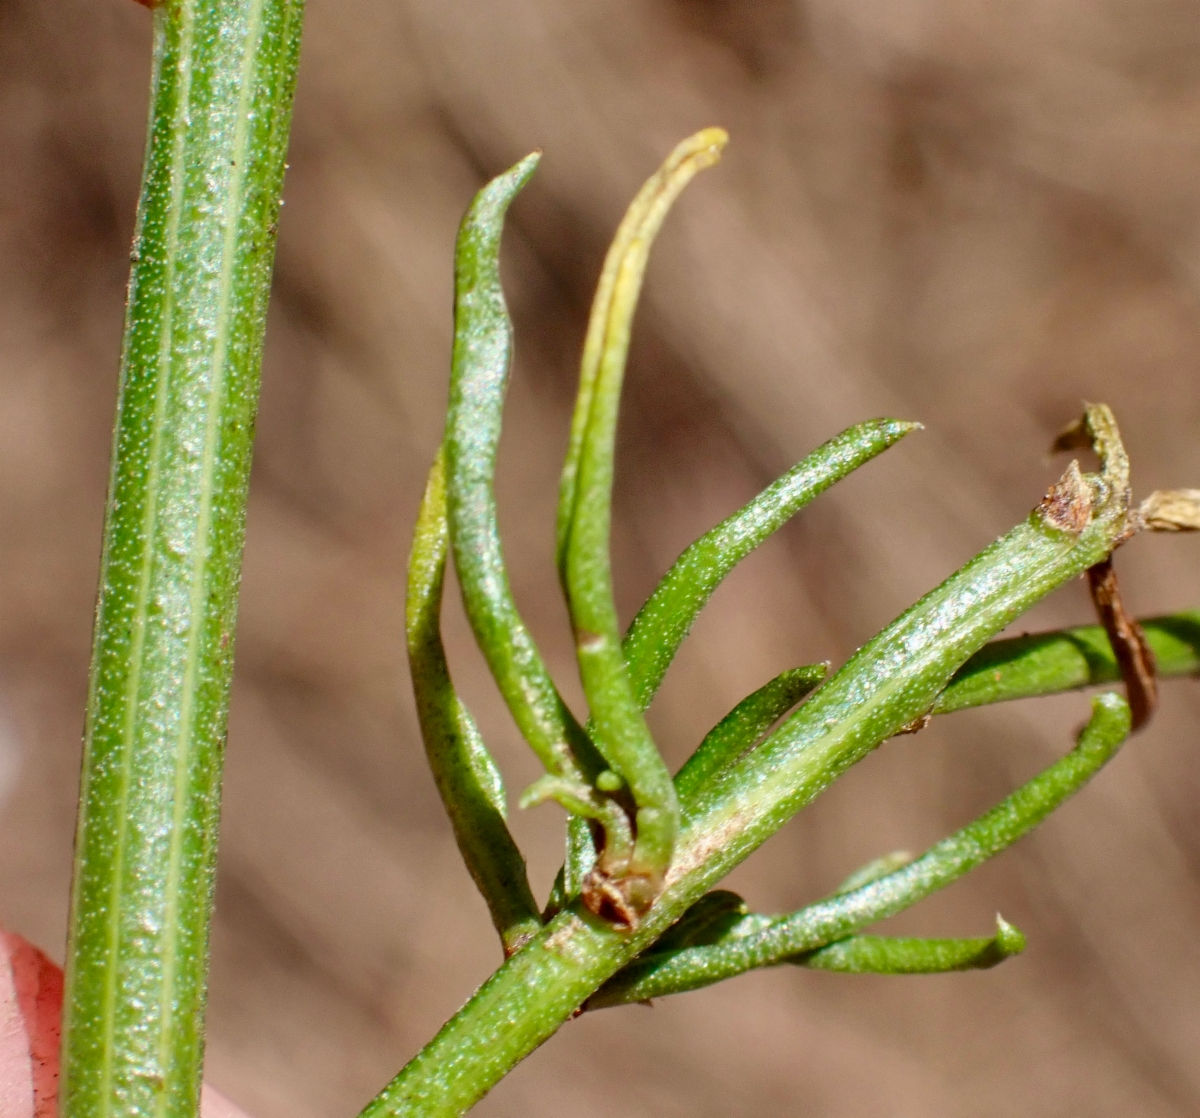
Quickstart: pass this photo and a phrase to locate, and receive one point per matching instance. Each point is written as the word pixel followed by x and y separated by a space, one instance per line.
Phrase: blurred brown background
pixel 972 214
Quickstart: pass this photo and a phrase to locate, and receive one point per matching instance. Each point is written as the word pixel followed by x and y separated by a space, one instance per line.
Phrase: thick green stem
pixel 133 1040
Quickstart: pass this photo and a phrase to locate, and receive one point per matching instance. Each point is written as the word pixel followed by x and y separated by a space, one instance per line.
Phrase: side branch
pixel 891 681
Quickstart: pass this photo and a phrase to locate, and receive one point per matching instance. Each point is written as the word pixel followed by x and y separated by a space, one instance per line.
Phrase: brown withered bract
pixel 622 901
pixel 1067 505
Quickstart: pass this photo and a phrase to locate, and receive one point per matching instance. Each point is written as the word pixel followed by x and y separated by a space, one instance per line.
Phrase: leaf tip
pixel 709 143
pixel 525 168
pixel 1109 702
pixel 1009 940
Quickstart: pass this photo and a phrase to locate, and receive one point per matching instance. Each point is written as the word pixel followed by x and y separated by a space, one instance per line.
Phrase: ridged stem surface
pixel 223 77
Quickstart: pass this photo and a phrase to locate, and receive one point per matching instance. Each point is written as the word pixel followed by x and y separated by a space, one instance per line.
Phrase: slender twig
pixel 224 72
pixel 1127 640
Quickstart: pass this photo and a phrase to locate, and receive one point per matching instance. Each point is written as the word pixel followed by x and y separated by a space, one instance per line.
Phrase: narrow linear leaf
pixel 1066 660
pixel 483 343
pixel 479 379
pixel 744 726
pixel 463 769
pixel 619 730
pixel 641 223
pixel 746 948
pixel 662 623
pixel 904 955
pixel 874 870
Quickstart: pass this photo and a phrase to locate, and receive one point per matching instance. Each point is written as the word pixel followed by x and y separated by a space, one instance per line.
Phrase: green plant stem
pixel 668 614
pixel 889 683
pixel 223 78
pixel 1024 667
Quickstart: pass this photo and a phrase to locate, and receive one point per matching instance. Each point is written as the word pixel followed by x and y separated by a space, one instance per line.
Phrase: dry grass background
pixel 973 214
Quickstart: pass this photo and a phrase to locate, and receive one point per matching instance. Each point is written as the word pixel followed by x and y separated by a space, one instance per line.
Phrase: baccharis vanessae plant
pixel 632 914
pixel 635 913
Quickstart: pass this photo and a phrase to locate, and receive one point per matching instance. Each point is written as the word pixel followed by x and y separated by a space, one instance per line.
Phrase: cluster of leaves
pixel 634 832
pixel 635 912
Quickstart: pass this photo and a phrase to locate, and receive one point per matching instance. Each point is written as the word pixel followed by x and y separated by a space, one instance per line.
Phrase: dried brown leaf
pixel 1172 510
